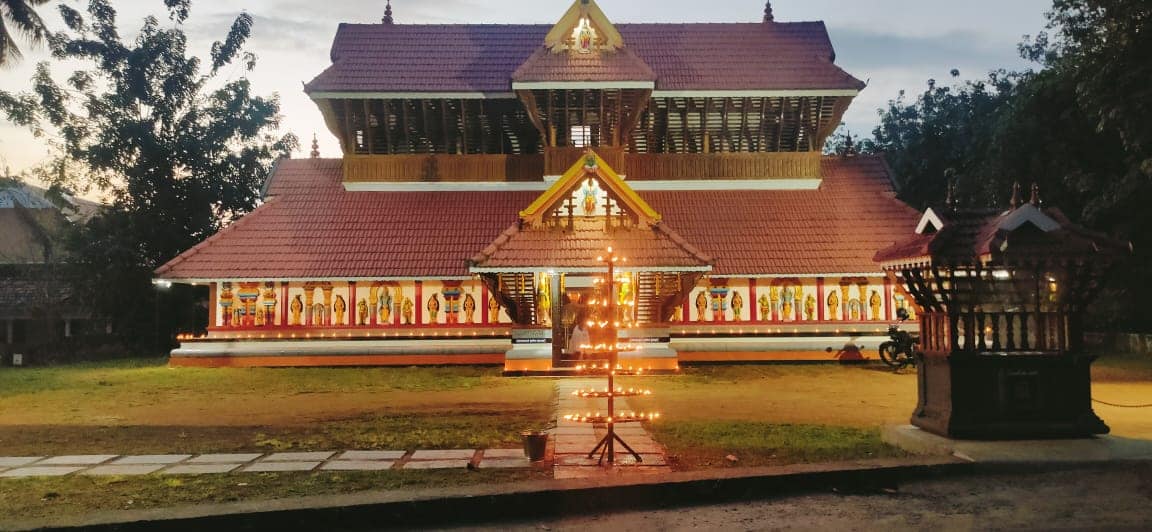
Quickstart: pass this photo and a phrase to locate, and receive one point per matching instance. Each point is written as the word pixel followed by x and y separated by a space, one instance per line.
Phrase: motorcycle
pixel 900 350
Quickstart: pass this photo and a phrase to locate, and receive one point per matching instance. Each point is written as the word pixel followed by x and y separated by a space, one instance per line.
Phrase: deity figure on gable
pixel 810 307
pixel 765 307
pixel 584 37
pixel 701 305
pixel 737 305
pixel 833 305
pixel 589 197
pixel 493 310
pixel 469 308
pixel 297 307
pixel 433 307
pixel 874 305
pixel 362 312
pixel 409 308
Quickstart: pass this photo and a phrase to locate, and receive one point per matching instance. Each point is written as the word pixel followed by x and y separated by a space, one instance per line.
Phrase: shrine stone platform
pixel 1095 449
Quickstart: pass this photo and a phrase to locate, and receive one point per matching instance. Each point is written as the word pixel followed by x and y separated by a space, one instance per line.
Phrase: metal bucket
pixel 535 444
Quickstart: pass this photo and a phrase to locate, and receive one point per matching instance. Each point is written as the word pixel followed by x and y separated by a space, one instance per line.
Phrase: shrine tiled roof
pixel 311 228
pixel 656 247
pixel 970 235
pixel 622 65
pixel 482 58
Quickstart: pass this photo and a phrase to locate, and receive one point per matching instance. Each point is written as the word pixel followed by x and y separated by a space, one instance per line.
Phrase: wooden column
pixel 483 303
pixel 888 299
pixel 820 299
pixel 353 307
pixel 754 307
pixel 213 306
pixel 419 304
pixel 284 303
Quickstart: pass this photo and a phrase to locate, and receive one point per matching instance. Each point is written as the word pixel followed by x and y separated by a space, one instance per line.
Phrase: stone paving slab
pixel 260 467
pixel 151 459
pixel 199 469
pixel 358 465
pixel 41 471
pixel 318 456
pixel 503 453
pixel 437 464
pixel 607 472
pixel 17 461
pixel 77 459
pixel 371 455
pixel 505 463
pixel 225 458
pixel 444 454
pixel 126 470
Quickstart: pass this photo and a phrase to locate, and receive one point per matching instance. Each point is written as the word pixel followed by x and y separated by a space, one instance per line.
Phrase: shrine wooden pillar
pixel 213 308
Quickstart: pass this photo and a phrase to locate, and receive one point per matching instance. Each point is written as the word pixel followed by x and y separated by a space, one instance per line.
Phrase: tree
pixel 182 152
pixel 18 16
pixel 1078 126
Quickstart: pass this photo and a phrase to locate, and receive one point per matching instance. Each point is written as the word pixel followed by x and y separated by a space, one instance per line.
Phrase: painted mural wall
pixel 821 299
pixel 241 305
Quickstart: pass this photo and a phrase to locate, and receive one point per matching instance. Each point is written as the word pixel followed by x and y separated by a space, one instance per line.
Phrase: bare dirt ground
pixel 1115 497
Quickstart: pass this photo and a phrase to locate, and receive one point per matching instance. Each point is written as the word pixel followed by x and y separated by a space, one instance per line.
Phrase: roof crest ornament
pixel 1015 201
pixel 387 13
pixel 768 16
pixel 315 147
pixel 1035 200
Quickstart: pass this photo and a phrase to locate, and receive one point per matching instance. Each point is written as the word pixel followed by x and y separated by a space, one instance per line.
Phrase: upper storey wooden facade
pixel 459 103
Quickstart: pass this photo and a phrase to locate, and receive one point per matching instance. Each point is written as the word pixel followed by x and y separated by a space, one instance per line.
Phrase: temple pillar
pixel 213 304
pixel 559 335
pixel 820 302
pixel 419 304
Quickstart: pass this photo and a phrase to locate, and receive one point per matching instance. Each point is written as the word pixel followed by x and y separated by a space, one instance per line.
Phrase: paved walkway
pixel 572 441
pixel 187 464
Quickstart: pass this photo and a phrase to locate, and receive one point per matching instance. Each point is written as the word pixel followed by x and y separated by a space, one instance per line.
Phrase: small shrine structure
pixel 1003 294
pixel 482 165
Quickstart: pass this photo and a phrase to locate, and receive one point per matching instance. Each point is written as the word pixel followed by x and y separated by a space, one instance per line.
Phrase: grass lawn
pixel 146 407
pixel 776 414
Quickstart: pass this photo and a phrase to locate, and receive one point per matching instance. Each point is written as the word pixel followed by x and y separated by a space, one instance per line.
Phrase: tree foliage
pixel 19 16
pixel 1078 125
pixel 181 151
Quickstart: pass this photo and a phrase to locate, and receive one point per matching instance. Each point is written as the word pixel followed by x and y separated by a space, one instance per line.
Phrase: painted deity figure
pixel 433 307
pixel 544 304
pixel 584 37
pixel 765 307
pixel 493 310
pixel 810 307
pixel 589 197
pixel 226 300
pixel 408 309
pixel 297 307
pixel 701 305
pixel 787 299
pixel 469 308
pixel 362 311
pixel 385 310
pixel 677 312
pixel 874 305
pixel 340 307
pixel 854 308
pixel 737 305
pixel 719 303
pixel 833 305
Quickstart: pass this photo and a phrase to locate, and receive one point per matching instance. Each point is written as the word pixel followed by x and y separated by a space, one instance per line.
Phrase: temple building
pixel 485 167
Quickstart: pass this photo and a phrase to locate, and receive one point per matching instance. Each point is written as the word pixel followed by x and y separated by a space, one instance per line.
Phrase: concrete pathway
pixel 187 464
pixel 572 441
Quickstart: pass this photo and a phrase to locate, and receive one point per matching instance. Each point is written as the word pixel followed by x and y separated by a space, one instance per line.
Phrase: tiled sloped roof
pixel 654 247
pixel 836 229
pixel 482 58
pixel 621 65
pixel 312 228
pixel 972 233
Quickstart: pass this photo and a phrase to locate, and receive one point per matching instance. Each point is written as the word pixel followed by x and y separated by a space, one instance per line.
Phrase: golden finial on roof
pixel 315 147
pixel 1015 201
pixel 768 16
pixel 1035 201
pixel 387 13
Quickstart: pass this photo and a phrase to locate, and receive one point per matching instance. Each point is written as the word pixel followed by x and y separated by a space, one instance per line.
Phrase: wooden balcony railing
pixel 434 168
pixel 660 166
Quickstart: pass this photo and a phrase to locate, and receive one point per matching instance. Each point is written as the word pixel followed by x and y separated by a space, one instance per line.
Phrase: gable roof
pixel 311 228
pixel 590 166
pixel 480 58
pixel 619 66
